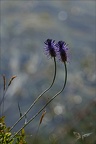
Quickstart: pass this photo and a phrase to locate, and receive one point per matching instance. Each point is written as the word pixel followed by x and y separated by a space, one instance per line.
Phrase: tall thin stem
pixel 46 103
pixel 38 97
pixel 2 100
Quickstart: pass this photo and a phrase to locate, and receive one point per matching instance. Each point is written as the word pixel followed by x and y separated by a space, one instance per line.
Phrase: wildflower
pixel 50 51
pixel 62 51
pixel 50 48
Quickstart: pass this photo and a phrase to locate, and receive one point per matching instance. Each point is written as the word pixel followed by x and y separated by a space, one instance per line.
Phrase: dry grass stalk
pixel 12 78
pixel 4 80
pixel 42 116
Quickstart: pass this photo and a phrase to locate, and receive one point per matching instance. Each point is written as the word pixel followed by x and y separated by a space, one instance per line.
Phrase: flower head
pixel 50 48
pixel 62 51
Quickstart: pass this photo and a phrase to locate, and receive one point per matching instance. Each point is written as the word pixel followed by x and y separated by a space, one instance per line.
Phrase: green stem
pixel 46 103
pixel 37 97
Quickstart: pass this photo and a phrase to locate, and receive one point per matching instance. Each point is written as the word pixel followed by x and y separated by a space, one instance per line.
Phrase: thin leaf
pixel 19 110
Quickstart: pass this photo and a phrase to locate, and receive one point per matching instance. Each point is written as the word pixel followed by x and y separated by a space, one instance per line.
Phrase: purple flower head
pixel 50 48
pixel 62 51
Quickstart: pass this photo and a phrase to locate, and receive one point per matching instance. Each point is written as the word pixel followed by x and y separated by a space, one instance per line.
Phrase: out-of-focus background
pixel 24 27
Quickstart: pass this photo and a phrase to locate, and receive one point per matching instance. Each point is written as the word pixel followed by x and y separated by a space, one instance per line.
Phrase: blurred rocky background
pixel 24 27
